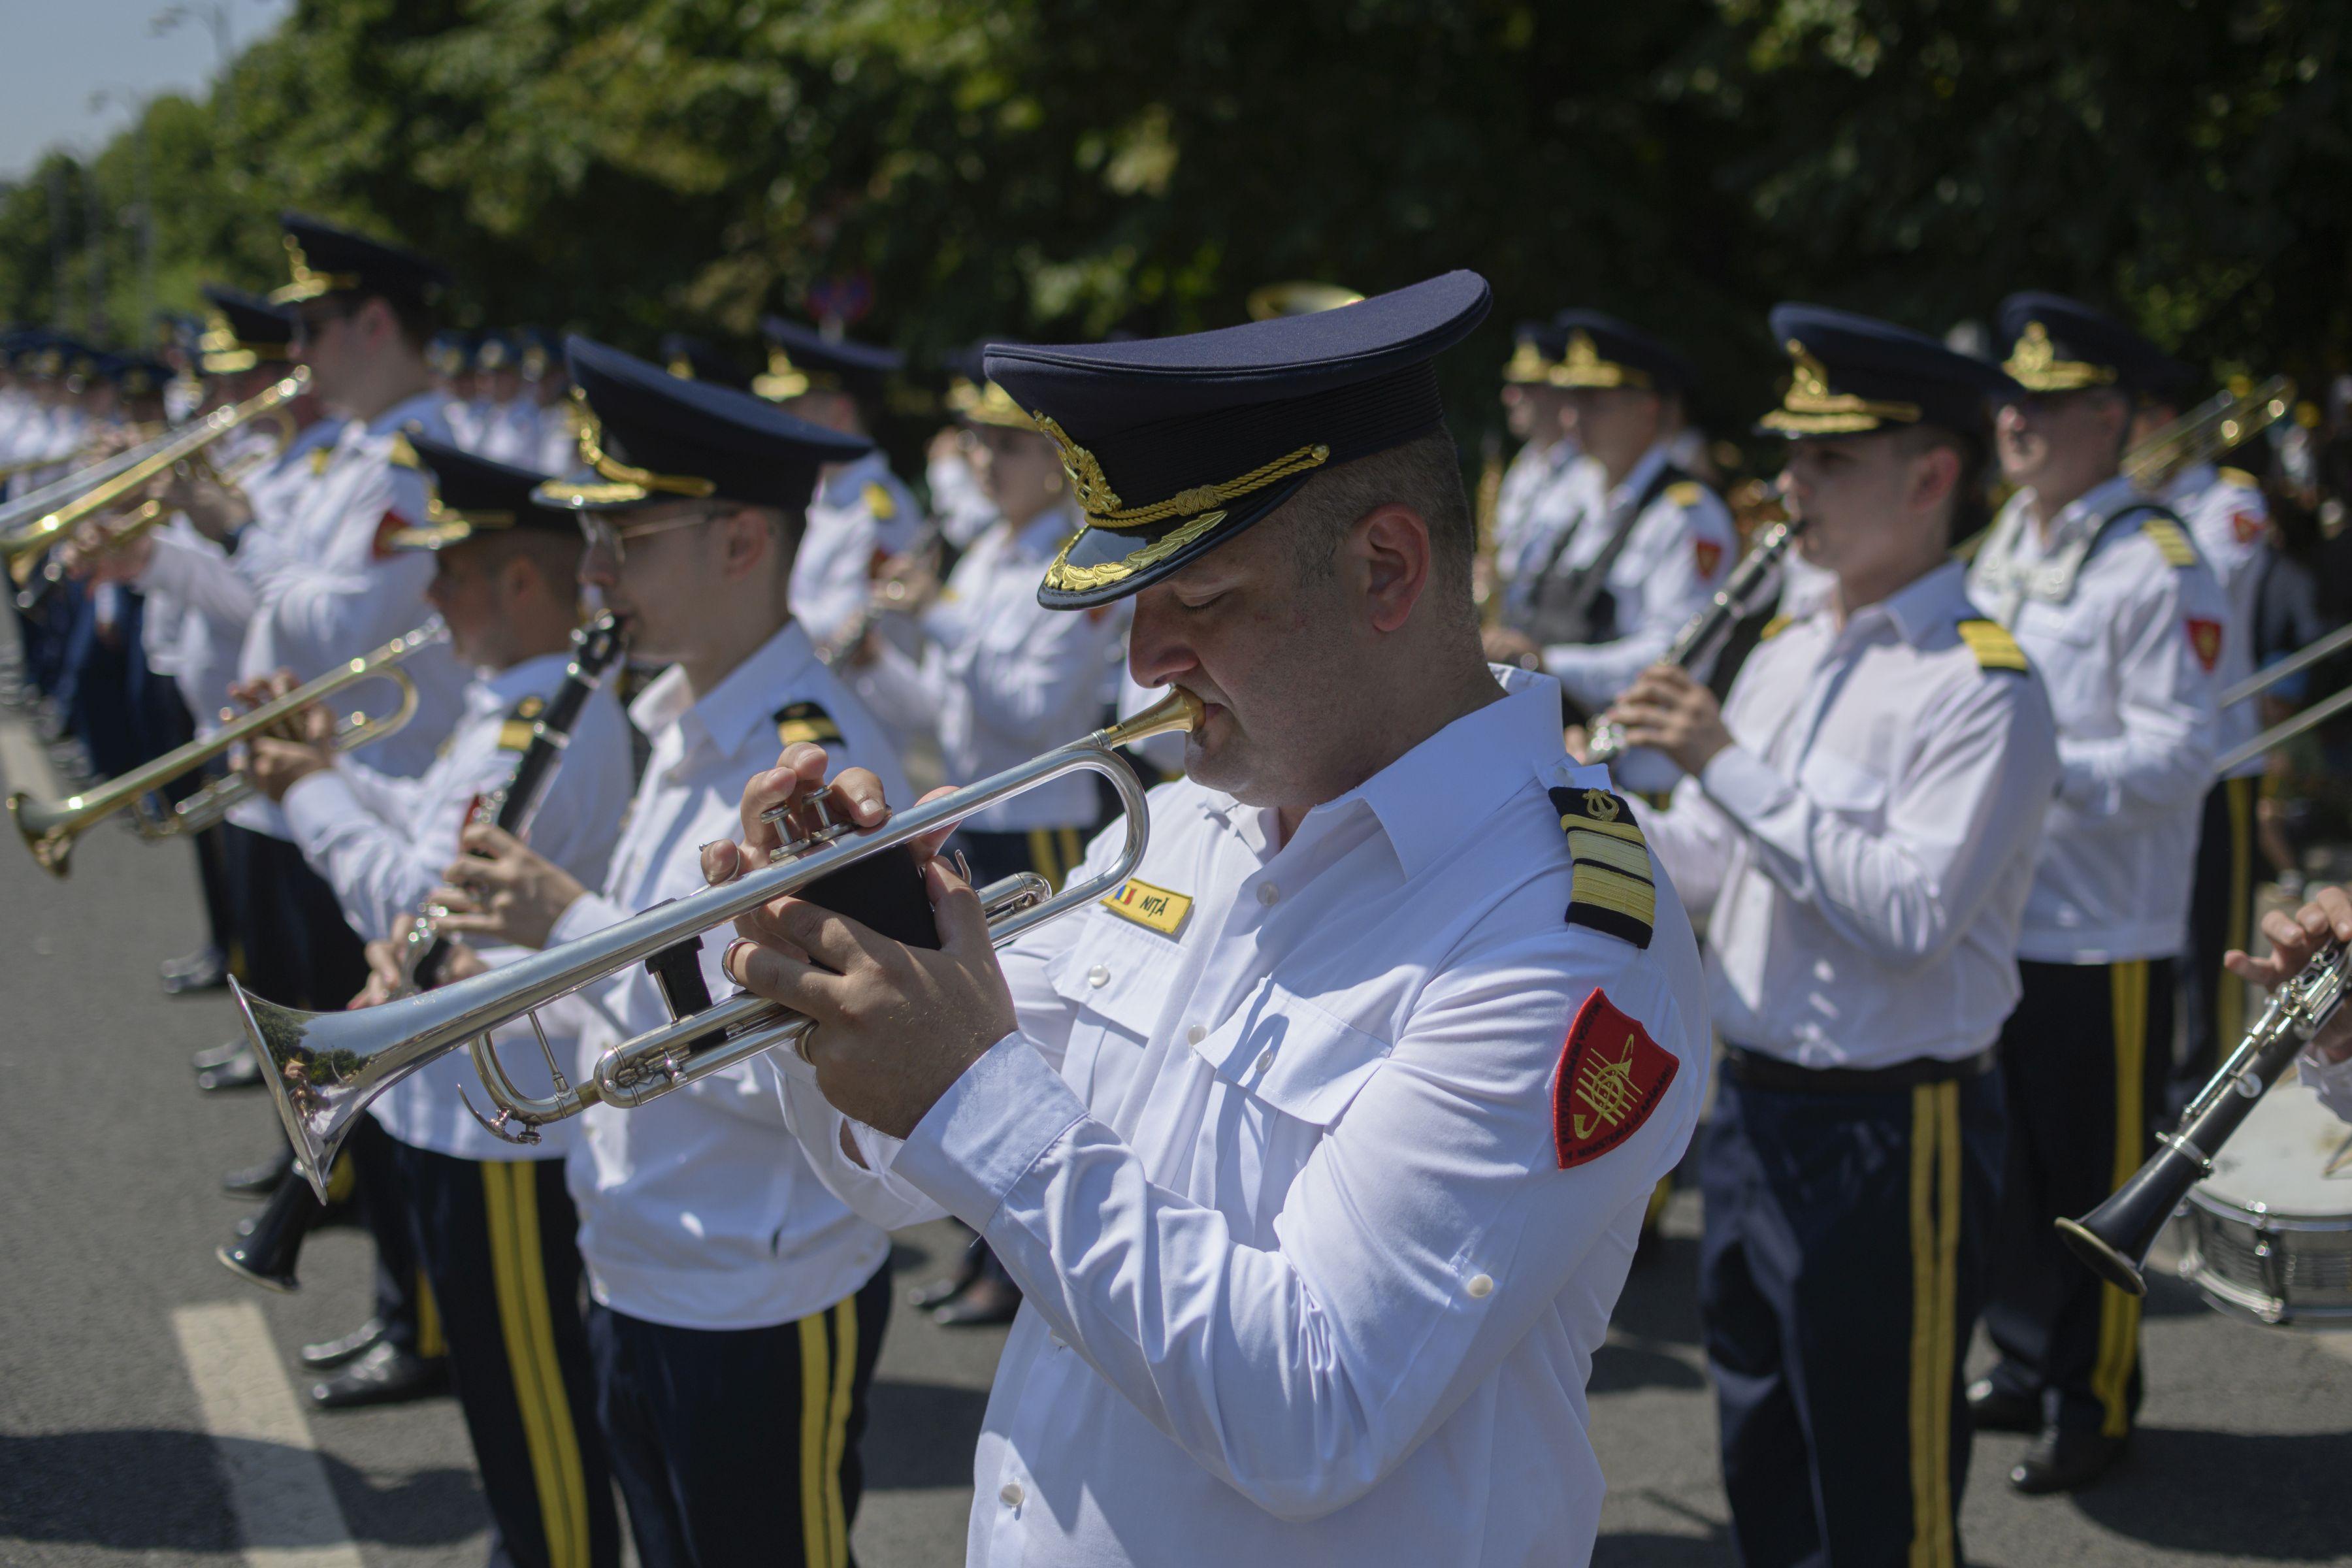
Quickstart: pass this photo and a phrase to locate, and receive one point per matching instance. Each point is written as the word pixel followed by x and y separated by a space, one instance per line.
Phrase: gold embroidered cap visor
pixel 242 330
pixel 325 261
pixel 646 437
pixel 1602 351
pixel 467 496
pixel 2057 344
pixel 1853 375
pixel 1173 445
pixel 804 359
pixel 1535 354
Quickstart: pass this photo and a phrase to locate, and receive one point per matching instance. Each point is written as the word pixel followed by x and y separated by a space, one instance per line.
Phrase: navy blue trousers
pixel 499 1244
pixel 739 1447
pixel 1840 1276
pixel 2221 917
pixel 2084 1058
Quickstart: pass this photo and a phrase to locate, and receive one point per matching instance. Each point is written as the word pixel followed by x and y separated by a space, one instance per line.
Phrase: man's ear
pixel 1934 473
pixel 745 539
pixel 1390 547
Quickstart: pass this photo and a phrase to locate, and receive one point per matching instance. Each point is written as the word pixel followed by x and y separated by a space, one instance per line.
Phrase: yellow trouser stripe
pixel 429 1342
pixel 817 1390
pixel 1660 1196
pixel 2118 1311
pixel 1041 856
pixel 1073 851
pixel 2230 992
pixel 573 1495
pixel 510 1206
pixel 339 1180
pixel 1948 1304
pixel 1923 1325
pixel 836 1437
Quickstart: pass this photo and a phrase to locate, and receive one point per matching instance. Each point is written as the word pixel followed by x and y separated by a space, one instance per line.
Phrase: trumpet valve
pixel 809 824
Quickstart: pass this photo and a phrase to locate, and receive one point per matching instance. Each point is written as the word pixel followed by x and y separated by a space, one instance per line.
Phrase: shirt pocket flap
pixel 1289 1052
pixel 1841 784
pixel 1116 970
pixel 2039 620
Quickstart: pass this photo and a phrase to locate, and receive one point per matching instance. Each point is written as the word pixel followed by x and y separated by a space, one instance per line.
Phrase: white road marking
pixel 285 1513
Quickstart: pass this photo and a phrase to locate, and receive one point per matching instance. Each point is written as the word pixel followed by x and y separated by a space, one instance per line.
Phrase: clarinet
pixel 595 648
pixel 1702 637
pixel 853 636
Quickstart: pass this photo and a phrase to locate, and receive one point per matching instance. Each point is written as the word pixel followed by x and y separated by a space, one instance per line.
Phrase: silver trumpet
pixel 322 1068
pixel 1701 638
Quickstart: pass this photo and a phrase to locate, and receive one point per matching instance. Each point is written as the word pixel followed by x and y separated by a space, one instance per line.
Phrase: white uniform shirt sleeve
pixel 1424 1237
pixel 1908 892
pixel 381 868
pixel 350 596
pixel 199 574
pixel 2332 1081
pixel 2163 759
pixel 1693 840
pixel 1663 556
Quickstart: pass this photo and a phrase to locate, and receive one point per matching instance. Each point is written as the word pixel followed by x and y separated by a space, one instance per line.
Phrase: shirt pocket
pixel 1115 981
pixel 1288 1054
pixel 2062 643
pixel 1843 787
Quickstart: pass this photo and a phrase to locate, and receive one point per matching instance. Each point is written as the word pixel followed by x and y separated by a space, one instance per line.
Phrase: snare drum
pixel 2270 1231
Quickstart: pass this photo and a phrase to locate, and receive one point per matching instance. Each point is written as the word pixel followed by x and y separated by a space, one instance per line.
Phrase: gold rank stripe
pixel 1993 645
pixel 514 735
pixel 1577 822
pixel 1604 847
pixel 2169 541
pixel 1604 889
pixel 816 731
pixel 1154 909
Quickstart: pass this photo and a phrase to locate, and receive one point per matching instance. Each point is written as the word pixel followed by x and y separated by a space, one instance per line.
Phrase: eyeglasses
pixel 602 532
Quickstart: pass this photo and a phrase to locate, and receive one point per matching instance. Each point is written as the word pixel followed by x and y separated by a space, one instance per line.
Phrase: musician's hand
pixel 383 968
pixel 1505 646
pixel 502 892
pixel 89 557
pixel 275 766
pixel 1664 709
pixel 799 773
pixel 1577 739
pixel 906 585
pixel 2293 938
pixel 896 1025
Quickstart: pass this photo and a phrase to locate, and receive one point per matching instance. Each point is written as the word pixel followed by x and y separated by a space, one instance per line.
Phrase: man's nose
pixel 1157 651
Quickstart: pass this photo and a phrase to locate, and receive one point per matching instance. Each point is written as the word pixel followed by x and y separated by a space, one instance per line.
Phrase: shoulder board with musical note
pixel 1611 890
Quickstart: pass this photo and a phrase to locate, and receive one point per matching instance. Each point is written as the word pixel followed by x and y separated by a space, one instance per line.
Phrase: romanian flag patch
pixel 1612 1075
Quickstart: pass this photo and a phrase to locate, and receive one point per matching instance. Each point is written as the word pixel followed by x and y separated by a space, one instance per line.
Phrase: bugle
pixel 2226 419
pixel 2113 1239
pixel 51 827
pixel 86 496
pixel 322 1068
pixel 1703 637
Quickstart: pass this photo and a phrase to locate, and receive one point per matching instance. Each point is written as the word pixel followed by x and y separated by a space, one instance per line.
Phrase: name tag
pixel 1146 905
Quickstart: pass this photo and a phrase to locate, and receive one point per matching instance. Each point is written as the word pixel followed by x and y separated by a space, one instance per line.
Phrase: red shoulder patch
pixel 2205 641
pixel 1707 555
pixel 390 523
pixel 2248 526
pixel 1612 1075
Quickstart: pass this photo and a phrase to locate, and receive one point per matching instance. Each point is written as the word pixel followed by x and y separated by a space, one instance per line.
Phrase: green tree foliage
pixel 1061 168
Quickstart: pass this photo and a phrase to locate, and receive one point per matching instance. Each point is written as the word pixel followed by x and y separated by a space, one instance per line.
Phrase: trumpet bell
pixel 321 1069
pixel 51 843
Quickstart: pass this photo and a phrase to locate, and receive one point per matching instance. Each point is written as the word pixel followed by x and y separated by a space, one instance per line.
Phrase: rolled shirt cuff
pixel 987 1130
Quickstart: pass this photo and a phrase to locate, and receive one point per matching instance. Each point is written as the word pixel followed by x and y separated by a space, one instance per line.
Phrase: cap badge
pixel 2034 363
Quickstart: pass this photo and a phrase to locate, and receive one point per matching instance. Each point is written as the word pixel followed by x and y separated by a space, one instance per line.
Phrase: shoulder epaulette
pixel 879 504
pixel 806 721
pixel 1774 627
pixel 1688 493
pixel 2169 541
pixel 319 457
pixel 2240 477
pixel 1611 890
pixel 514 734
pixel 402 455
pixel 1994 647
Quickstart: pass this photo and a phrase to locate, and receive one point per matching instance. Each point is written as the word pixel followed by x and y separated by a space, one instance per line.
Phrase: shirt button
pixel 1011 1495
pixel 1267 893
pixel 1265 1060
pixel 1480 1286
pixel 1195 1035
pixel 1098 976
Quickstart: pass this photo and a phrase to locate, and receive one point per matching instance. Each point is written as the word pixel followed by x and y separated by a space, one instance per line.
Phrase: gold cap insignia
pixel 1584 366
pixel 2034 364
pixel 1810 408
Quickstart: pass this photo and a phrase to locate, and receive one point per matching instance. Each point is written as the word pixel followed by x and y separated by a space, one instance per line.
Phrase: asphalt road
pixel 149 1410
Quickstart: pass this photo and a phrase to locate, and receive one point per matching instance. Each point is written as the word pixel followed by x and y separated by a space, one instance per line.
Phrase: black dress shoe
pixel 219 1055
pixel 386 1375
pixel 204 970
pixel 245 1072
pixel 984 1302
pixel 260 1180
pixel 2065 1461
pixel 1996 1409
pixel 328 1354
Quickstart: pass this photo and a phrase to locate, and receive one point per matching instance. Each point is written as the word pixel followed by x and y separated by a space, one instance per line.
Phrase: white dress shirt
pixel 962 508
pixel 698 1211
pixel 2229 521
pixel 382 842
pixel 2331 1080
pixel 1867 842
pixel 1306 1283
pixel 860 508
pixel 1003 677
pixel 1534 473
pixel 2114 629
